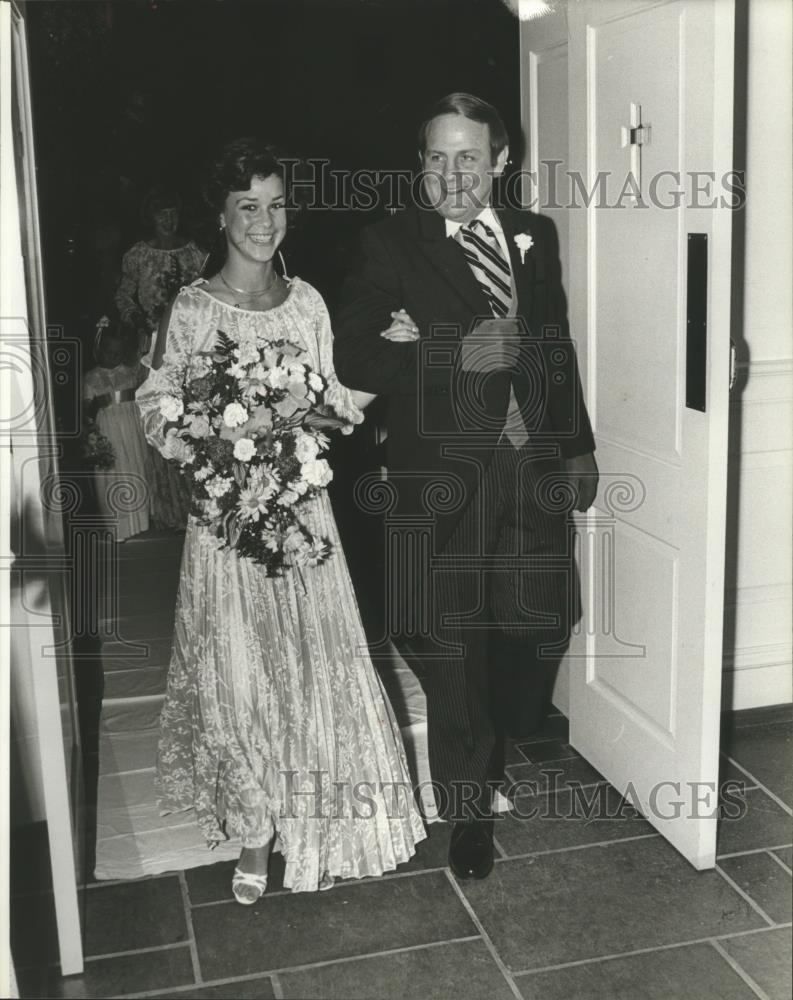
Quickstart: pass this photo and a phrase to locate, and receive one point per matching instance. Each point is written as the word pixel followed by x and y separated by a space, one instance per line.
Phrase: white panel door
pixel 545 124
pixel 651 121
pixel 544 73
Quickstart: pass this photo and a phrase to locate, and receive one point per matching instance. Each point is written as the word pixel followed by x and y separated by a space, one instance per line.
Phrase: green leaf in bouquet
pixel 240 474
pixel 224 345
pixel 324 418
pixel 232 528
pixel 287 407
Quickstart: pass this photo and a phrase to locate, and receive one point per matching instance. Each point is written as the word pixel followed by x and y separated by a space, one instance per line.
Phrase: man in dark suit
pixel 489 448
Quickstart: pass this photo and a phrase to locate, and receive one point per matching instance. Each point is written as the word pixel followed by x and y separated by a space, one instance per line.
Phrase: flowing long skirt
pixel 274 719
pixel 123 491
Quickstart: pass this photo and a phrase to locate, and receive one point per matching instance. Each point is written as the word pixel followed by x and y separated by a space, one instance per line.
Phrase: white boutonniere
pixel 524 242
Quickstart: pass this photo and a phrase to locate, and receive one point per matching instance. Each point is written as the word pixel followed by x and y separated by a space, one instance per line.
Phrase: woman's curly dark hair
pixel 233 169
pixel 237 163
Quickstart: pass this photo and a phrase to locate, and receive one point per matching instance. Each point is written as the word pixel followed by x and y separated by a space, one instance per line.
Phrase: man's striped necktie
pixel 491 270
pixel 486 260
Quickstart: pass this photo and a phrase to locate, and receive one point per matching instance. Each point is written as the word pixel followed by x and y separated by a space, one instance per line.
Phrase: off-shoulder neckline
pixel 292 282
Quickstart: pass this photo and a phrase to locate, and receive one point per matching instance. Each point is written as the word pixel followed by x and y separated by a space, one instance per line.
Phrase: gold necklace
pixel 242 291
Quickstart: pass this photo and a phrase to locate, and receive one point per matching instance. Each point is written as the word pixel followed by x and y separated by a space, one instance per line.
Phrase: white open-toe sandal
pixel 249 881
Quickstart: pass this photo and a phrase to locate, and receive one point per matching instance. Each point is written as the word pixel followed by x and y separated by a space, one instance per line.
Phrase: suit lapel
pixel 446 256
pixel 523 272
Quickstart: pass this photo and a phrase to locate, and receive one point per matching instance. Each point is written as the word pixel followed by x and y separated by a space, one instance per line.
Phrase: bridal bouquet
pixel 250 461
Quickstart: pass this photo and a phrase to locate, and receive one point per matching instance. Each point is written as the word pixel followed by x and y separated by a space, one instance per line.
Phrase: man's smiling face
pixel 458 166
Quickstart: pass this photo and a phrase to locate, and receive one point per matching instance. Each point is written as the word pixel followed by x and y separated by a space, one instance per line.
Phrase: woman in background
pixel 152 272
pixel 155 268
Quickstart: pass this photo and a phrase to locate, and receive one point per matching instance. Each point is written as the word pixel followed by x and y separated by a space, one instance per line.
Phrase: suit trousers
pixel 504 596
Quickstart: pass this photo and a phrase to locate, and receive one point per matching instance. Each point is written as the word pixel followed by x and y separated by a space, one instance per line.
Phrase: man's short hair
pixel 473 108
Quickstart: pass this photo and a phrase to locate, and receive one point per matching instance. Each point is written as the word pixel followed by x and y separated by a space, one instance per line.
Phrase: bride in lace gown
pixel 275 726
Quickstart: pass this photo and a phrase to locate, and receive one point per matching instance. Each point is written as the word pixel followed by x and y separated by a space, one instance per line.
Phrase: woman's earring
pixel 283 265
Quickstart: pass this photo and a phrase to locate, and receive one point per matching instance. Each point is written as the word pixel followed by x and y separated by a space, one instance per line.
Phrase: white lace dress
pixel 274 719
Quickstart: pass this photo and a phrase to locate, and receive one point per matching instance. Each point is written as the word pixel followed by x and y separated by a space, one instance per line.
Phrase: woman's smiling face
pixel 255 219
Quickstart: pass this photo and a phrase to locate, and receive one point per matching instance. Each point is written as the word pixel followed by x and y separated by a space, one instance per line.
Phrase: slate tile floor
pixel 599 909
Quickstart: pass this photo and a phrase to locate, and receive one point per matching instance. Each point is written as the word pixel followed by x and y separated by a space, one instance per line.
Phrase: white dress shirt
pixel 489 217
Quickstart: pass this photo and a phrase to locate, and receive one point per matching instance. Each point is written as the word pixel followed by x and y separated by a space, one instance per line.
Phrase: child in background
pixel 109 399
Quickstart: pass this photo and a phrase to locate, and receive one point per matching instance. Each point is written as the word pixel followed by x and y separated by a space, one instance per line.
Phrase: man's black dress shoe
pixel 471 849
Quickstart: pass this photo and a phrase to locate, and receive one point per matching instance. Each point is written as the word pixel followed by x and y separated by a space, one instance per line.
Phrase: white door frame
pixel 24 392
